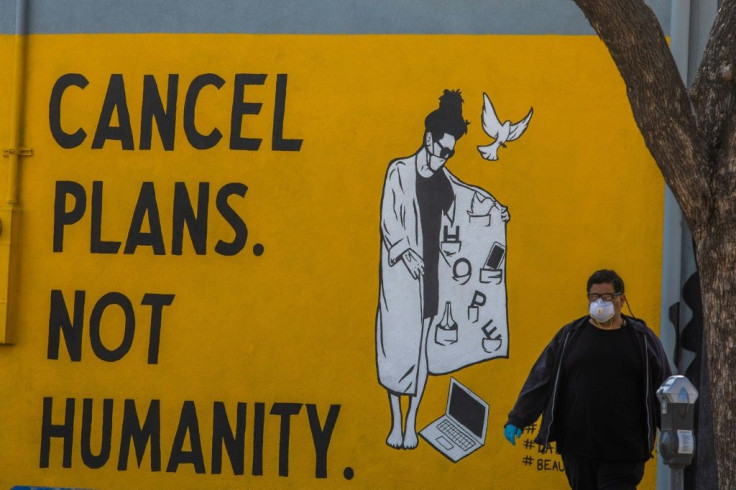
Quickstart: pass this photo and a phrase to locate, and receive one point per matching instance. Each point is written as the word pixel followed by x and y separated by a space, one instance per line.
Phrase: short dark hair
pixel 605 276
pixel 448 118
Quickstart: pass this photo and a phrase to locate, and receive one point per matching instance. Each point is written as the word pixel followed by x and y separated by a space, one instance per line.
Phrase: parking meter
pixel 677 398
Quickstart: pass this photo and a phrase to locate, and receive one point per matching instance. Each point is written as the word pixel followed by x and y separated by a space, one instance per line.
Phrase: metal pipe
pixel 9 212
pixel 18 99
pixel 680 36
pixel 673 221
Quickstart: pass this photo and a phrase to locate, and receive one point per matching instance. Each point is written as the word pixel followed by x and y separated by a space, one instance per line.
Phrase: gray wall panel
pixel 307 16
pixel 7 16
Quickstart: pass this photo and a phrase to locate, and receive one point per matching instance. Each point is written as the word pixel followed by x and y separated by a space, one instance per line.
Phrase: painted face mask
pixel 601 310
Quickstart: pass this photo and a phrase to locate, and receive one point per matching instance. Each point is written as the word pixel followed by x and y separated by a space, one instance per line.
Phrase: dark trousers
pixel 602 474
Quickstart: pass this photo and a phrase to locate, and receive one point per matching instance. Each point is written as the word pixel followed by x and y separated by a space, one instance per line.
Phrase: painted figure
pixel 595 384
pixel 418 206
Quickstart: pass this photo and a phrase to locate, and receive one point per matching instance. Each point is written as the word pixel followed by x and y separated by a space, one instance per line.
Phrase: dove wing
pixel 491 124
pixel 518 129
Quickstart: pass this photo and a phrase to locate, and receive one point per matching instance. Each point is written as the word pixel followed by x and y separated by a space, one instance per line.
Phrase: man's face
pixel 603 289
pixel 439 150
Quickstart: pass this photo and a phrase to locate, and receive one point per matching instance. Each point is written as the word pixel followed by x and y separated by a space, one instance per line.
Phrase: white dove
pixel 501 132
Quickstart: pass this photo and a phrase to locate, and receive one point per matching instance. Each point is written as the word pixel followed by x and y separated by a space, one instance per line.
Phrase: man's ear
pixel 427 139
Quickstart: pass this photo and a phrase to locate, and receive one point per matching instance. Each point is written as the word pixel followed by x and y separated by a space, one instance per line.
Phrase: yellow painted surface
pixel 296 324
pixel 6 81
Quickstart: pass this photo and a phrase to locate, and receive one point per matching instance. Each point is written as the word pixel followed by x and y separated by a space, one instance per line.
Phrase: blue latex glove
pixel 512 433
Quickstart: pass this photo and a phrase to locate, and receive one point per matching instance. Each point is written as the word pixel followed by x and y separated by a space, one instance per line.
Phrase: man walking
pixel 595 385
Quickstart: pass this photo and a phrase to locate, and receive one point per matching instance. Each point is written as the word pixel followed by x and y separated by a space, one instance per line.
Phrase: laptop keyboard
pixel 452 433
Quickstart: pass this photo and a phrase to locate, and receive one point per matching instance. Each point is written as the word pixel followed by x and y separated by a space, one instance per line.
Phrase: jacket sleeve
pixel 394 215
pixel 660 370
pixel 537 387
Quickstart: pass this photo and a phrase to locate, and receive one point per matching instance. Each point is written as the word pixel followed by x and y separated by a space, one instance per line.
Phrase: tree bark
pixel 692 138
pixel 716 257
pixel 714 91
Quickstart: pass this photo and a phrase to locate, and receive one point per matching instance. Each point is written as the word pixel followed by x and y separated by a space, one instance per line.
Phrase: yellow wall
pixel 296 324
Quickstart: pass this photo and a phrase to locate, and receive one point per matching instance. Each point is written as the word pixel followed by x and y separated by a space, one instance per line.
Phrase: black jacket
pixel 539 393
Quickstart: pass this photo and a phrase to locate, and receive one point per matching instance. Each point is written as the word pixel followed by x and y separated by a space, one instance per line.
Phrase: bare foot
pixel 410 440
pixel 395 438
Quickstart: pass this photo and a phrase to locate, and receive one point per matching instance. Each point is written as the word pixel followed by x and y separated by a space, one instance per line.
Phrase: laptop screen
pixel 467 410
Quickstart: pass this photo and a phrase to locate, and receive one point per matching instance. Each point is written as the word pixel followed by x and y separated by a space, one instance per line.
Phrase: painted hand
pixel 512 433
pixel 413 262
pixel 505 216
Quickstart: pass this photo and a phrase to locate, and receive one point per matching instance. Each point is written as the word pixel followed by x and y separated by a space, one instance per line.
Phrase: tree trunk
pixel 716 256
pixel 692 137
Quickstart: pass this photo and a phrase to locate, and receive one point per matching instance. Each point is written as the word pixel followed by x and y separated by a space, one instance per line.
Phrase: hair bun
pixel 448 118
pixel 451 102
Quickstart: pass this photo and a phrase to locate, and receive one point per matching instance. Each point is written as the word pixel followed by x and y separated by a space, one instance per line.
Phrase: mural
pixel 442 300
pixel 198 294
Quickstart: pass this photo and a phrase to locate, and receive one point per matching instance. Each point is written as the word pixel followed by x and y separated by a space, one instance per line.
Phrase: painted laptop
pixel 462 429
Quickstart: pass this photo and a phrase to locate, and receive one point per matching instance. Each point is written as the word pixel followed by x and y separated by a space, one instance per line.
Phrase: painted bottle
pixel 446 331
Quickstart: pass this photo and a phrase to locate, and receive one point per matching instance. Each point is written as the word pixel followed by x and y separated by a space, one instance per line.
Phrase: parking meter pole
pixel 677 481
pixel 677 398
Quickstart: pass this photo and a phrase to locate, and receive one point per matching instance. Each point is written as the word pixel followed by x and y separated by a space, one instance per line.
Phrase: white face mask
pixel 601 310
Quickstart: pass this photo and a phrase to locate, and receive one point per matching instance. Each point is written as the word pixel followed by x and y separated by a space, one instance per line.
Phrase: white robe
pixel 399 316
